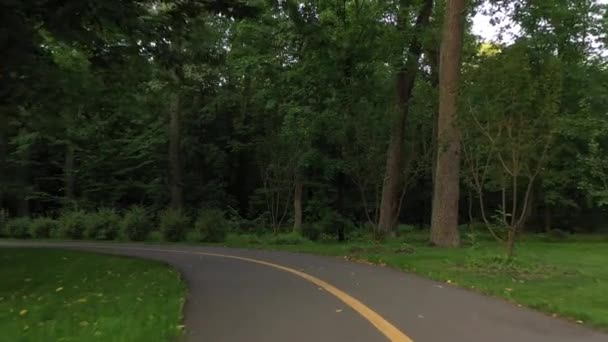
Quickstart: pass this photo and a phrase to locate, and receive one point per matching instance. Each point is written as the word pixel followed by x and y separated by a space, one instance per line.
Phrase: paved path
pixel 262 296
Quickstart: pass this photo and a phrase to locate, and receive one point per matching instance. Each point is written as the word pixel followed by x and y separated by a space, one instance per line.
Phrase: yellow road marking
pixel 384 326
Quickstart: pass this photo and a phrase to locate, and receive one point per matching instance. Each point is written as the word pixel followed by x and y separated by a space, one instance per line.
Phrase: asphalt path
pixel 262 296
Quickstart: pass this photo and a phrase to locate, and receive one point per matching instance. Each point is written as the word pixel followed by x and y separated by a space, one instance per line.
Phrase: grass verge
pixel 567 279
pixel 53 295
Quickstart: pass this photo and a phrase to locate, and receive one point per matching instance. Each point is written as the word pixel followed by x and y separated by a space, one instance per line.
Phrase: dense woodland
pixel 368 114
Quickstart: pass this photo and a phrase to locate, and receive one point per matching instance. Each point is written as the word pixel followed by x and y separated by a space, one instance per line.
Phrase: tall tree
pixel 405 79
pixel 446 193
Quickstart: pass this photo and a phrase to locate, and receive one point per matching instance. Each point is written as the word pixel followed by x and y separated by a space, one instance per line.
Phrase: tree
pixel 444 220
pixel 407 71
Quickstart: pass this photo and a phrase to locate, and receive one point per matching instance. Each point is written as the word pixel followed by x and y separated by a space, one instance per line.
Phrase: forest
pixel 329 117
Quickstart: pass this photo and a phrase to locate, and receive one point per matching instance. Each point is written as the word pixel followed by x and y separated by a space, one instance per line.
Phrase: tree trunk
pixel 511 242
pixel 547 219
pixel 444 219
pixel 175 166
pixel 68 171
pixel 3 155
pixel 297 206
pixel 393 178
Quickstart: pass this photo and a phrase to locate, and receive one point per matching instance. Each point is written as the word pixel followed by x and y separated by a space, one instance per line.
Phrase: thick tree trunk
pixel 297 206
pixel 68 170
pixel 393 178
pixel 175 166
pixel 444 219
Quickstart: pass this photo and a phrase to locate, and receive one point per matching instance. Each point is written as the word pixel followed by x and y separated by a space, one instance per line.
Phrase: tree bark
pixel 406 77
pixel 3 154
pixel 297 206
pixel 68 171
pixel 547 219
pixel 444 219
pixel 175 166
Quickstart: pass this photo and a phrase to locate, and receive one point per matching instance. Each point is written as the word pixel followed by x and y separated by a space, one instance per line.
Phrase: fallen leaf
pixel 579 322
pixel 448 281
pixel 338 310
pixel 23 312
pixel 59 289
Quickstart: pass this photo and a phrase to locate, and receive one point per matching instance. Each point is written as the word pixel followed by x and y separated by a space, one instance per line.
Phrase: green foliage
pixel 20 228
pixel 291 238
pixel 557 235
pixel 136 223
pixel 174 225
pixel 103 224
pixel 311 231
pixel 212 225
pixel 44 227
pixel 3 223
pixel 73 224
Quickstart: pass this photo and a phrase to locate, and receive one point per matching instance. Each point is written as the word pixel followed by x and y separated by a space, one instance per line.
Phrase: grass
pixel 53 295
pixel 567 279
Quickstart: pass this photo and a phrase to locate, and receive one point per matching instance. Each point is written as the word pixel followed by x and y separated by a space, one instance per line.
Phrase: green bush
pixel 136 224
pixel 311 231
pixel 557 235
pixel 72 224
pixel 3 223
pixel 212 225
pixel 44 227
pixel 19 228
pixel 102 225
pixel 174 224
pixel 292 238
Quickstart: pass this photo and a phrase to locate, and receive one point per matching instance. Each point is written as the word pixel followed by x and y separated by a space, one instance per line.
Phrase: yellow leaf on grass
pixel 23 312
pixel 59 289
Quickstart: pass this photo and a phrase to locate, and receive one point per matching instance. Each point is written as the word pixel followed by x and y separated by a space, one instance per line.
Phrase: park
pixel 315 170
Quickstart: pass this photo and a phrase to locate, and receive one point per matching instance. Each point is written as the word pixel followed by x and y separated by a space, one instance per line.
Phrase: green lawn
pixel 569 278
pixel 53 295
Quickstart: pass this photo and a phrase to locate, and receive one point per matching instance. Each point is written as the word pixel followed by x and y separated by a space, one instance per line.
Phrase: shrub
pixel 19 228
pixel 557 235
pixel 136 224
pixel 72 224
pixel 212 225
pixel 102 225
pixel 311 231
pixel 293 238
pixel 44 227
pixel 174 225
pixel 3 223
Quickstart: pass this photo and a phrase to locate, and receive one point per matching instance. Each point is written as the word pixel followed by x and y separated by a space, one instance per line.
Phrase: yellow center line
pixel 384 326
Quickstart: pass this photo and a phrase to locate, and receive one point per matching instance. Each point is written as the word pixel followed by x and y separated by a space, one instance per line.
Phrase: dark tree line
pixel 373 113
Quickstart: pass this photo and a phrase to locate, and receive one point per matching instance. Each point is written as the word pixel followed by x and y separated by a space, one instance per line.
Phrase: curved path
pixel 259 296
